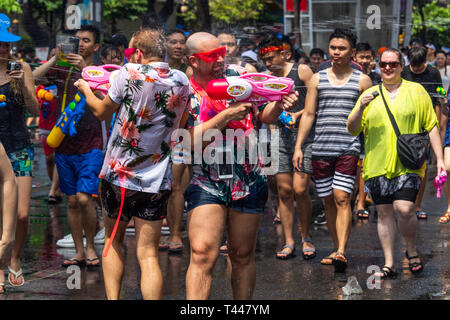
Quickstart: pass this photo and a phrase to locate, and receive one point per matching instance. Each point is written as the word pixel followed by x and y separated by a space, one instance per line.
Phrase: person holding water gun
pixel 17 93
pixel 445 125
pixel 151 101
pixel 78 158
pixel 292 184
pixel 221 195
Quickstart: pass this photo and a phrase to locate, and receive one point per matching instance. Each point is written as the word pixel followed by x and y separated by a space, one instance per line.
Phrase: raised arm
pixel 102 109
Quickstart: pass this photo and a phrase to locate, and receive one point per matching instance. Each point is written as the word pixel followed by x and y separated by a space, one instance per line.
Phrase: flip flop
pixel 421 215
pixel 328 260
pixel 73 262
pixel 362 214
pixel 90 262
pixel 16 274
pixel 163 245
pixel 176 247
pixel 285 254
pixel 340 262
pixel 308 256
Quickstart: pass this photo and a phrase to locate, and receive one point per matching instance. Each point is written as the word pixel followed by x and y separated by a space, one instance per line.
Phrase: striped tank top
pixel 334 106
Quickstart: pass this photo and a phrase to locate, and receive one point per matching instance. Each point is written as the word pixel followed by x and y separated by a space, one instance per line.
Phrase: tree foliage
pixel 115 10
pixel 225 11
pixel 10 6
pixel 431 22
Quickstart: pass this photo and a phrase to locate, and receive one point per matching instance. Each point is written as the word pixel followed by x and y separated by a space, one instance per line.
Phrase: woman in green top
pixel 392 186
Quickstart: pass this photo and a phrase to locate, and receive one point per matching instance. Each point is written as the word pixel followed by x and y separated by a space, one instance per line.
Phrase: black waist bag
pixel 412 147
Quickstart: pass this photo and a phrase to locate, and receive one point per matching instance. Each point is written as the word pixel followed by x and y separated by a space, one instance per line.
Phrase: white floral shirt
pixel 152 100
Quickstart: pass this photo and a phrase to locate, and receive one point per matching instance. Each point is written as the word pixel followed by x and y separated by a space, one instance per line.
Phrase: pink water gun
pixel 100 77
pixel 438 182
pixel 251 87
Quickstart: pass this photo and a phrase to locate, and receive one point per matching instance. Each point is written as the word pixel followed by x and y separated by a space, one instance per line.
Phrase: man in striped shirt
pixel 332 94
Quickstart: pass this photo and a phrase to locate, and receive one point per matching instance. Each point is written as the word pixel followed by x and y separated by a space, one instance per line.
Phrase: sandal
pixel 93 262
pixel 73 262
pixel 276 220
pixel 362 214
pixel 163 245
pixel 285 255
pixel 421 214
pixel 328 260
pixel 388 273
pixel 308 256
pixel 340 262
pixel 16 274
pixel 413 265
pixel 445 218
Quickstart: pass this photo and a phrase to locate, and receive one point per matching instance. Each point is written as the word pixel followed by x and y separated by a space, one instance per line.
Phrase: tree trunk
pixel 39 35
pixel 298 36
pixel 203 16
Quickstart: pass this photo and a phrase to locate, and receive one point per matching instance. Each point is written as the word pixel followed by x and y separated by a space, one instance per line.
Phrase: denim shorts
pixel 253 203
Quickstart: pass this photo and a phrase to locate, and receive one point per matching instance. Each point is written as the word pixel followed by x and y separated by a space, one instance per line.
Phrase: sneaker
pixel 67 242
pixel 320 219
pixel 100 237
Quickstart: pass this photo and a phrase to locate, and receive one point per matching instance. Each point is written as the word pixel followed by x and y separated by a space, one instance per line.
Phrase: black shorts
pixel 147 206
pixel 407 194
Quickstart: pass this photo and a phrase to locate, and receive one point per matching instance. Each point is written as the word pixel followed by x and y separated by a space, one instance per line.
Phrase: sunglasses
pixel 392 64
pixel 211 56
pixel 129 52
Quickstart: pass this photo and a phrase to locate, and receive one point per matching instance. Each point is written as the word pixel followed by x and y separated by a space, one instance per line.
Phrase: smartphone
pixel 224 166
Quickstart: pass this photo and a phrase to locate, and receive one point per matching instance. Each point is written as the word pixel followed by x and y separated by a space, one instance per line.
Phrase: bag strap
pixel 391 116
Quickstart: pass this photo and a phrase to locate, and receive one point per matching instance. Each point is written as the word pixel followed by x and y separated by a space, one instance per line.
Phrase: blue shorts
pixel 79 172
pixel 253 203
pixel 447 136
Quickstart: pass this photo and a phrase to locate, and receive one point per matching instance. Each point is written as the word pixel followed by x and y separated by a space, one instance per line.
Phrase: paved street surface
pixel 294 279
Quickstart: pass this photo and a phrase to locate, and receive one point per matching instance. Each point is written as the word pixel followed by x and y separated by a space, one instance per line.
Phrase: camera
pixel 14 66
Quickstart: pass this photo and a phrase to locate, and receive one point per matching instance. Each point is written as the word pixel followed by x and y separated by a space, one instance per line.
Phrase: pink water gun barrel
pixel 438 183
pixel 99 77
pixel 251 87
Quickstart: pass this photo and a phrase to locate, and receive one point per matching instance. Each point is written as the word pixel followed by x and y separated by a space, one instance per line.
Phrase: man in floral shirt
pixel 214 203
pixel 150 100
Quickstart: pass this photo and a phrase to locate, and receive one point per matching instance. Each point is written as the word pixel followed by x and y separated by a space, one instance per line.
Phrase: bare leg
pixel 286 206
pixel 407 224
pixel 75 222
pixel 147 240
pixel 112 264
pixel 205 228
pixel 181 179
pixel 89 222
pixel 331 216
pixel 242 234
pixel 304 207
pixel 344 218
pixel 386 227
pixel 23 223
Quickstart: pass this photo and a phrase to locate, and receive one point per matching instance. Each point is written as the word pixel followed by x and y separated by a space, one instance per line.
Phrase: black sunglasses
pixel 392 64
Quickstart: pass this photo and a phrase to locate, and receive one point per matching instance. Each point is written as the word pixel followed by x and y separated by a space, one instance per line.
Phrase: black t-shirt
pixel 430 79
pixel 375 77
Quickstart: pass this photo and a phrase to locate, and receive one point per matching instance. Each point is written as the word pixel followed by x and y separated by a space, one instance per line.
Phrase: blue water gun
pixel 286 119
pixel 67 121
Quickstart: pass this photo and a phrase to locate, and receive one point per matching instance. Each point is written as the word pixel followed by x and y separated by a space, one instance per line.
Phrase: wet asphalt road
pixel 294 279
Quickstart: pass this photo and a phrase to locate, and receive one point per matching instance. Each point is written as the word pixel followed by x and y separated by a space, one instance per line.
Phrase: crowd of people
pixel 127 161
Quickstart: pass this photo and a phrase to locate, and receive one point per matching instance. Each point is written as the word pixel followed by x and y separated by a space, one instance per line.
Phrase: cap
pixel 6 36
pixel 252 55
pixel 431 46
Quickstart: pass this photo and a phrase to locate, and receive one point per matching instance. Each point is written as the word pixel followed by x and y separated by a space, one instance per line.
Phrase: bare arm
pixel 306 120
pixel 436 144
pixel 9 208
pixel 42 70
pixel 102 109
pixel 28 91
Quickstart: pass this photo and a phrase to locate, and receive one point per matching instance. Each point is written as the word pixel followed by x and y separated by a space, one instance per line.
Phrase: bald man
pixel 229 42
pixel 214 202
